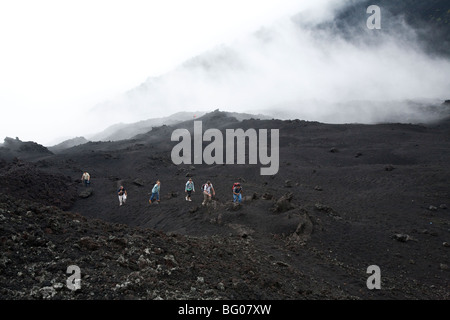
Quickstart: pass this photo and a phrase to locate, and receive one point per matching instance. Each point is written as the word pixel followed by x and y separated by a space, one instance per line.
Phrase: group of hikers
pixel 207 190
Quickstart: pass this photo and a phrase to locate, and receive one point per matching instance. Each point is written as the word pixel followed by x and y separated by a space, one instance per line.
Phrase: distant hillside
pixel 68 144
pixel 216 119
pixel 124 131
pixel 237 115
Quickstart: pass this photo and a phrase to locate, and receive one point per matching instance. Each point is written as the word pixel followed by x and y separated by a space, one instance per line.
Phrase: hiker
pixel 208 192
pixel 86 178
pixel 237 192
pixel 189 188
pixel 155 192
pixel 122 193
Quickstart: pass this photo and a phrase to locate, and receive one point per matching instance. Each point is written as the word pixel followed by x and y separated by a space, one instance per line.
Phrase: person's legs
pixel 234 197
pixel 240 198
pixel 205 199
pixel 120 200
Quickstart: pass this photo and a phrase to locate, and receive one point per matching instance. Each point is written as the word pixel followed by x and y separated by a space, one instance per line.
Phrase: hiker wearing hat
pixel 189 188
pixel 237 192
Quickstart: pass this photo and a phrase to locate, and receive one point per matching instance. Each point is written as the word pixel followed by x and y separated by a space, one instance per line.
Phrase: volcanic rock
pixel 139 182
pixel 284 203
pixel 86 193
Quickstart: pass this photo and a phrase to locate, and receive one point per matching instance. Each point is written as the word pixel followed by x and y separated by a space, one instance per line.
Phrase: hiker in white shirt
pixel 208 192
pixel 122 193
pixel 86 178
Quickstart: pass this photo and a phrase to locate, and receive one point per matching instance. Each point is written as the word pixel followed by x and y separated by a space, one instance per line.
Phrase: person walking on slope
pixel 86 178
pixel 208 192
pixel 122 193
pixel 189 188
pixel 155 192
pixel 237 192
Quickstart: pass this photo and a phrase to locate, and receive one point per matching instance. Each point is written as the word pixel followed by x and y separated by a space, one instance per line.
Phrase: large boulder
pixel 86 193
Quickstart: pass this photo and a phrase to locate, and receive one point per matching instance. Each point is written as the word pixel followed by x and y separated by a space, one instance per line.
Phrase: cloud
pixel 304 68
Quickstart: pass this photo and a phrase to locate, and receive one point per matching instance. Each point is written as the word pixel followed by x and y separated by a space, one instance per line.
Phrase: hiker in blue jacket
pixel 189 188
pixel 155 192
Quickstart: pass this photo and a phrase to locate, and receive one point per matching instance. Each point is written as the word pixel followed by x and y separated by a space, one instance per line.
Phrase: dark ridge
pixel 28 150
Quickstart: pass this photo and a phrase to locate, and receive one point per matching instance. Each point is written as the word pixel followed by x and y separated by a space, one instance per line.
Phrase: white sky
pixel 60 58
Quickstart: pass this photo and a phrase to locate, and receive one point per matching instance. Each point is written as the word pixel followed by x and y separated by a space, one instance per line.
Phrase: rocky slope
pixel 40 242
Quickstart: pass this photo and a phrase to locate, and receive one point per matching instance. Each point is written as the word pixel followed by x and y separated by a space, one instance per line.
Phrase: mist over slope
pixel 123 131
pixel 428 21
pixel 322 65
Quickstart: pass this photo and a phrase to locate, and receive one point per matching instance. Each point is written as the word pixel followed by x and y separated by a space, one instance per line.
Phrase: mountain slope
pixel 345 197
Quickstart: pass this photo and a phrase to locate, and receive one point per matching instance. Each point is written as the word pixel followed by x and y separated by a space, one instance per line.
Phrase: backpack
pixel 205 185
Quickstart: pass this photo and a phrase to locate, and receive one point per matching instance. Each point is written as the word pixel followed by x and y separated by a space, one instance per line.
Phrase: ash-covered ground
pixel 345 197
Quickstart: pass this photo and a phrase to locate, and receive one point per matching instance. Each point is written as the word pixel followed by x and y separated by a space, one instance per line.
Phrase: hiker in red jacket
pixel 237 192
